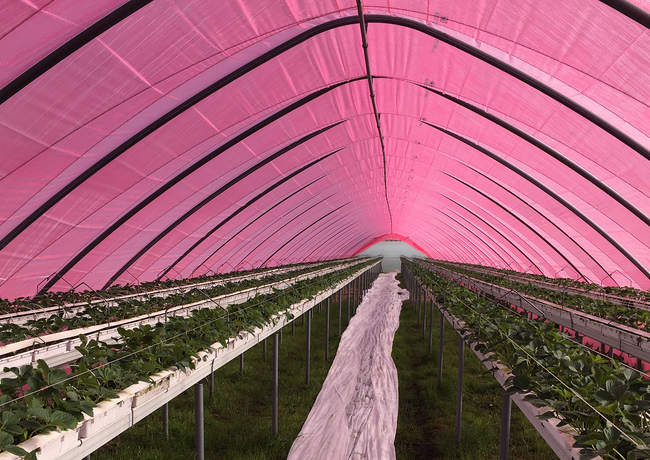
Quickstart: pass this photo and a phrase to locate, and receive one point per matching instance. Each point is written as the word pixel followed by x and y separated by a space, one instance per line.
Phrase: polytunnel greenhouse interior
pixel 324 229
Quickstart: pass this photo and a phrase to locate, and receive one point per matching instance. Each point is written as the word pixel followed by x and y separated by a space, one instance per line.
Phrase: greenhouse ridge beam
pixel 552 194
pixel 72 45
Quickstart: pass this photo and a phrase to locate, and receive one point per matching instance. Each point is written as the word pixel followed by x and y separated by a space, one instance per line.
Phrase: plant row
pixel 63 320
pixel 623 291
pixel 628 316
pixel 53 299
pixel 605 402
pixel 40 399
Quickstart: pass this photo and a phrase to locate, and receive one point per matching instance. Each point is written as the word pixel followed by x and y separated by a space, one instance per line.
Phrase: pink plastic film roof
pixel 144 139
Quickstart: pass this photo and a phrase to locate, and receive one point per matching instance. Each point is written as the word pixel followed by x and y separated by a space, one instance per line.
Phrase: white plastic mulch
pixel 355 414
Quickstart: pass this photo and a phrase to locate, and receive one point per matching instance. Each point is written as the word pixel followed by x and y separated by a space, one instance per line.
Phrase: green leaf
pixel 521 382
pixel 13 429
pixel 40 412
pixel 5 439
pixel 16 450
pixel 10 418
pixel 63 420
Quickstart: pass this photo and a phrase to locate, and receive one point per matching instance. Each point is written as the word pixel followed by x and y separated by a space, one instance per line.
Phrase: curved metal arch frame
pixel 550 193
pixel 305 229
pixel 235 213
pixel 259 216
pixel 499 232
pixel 478 237
pixel 546 149
pixel 485 57
pixel 208 199
pixel 516 245
pixel 468 247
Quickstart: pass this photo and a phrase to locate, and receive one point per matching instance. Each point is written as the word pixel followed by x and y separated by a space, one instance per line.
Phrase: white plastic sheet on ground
pixel 355 413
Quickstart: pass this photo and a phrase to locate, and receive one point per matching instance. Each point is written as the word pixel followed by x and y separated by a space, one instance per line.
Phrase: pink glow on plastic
pixel 580 211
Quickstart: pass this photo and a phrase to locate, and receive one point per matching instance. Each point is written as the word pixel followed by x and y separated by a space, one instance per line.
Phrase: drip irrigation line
pixel 609 422
pixel 89 371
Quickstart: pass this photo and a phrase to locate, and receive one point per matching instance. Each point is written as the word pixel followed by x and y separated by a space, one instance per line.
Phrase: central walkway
pixel 355 414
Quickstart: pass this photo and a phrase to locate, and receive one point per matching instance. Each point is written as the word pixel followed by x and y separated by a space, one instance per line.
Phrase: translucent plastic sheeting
pixel 355 413
pixel 144 139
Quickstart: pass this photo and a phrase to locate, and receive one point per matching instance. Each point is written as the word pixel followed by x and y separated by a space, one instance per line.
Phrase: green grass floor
pixel 427 413
pixel 238 416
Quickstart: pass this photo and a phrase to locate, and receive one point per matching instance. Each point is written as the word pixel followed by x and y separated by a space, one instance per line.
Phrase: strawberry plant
pixel 605 401
pixel 46 399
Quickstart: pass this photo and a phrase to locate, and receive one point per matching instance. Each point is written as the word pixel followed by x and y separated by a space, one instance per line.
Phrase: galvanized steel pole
pixel 349 285
pixel 340 301
pixel 276 339
pixel 442 342
pixel 165 417
pixel 459 386
pixel 327 330
pixel 506 405
pixel 308 346
pixel 430 326
pixel 198 421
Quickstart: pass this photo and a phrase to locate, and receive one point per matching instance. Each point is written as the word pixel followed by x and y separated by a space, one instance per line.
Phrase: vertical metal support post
pixel 430 326
pixel 506 405
pixel 165 417
pixel 417 303
pixel 212 379
pixel 349 285
pixel 276 339
pixel 355 295
pixel 424 313
pixel 340 301
pixel 459 386
pixel 442 342
pixel 293 327
pixel 308 351
pixel 198 421
pixel 241 363
pixel 327 330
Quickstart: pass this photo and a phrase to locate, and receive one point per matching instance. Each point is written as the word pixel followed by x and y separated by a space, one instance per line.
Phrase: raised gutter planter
pixel 59 348
pixel 560 439
pixel 112 417
pixel 624 338
pixel 617 300
pixel 70 309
